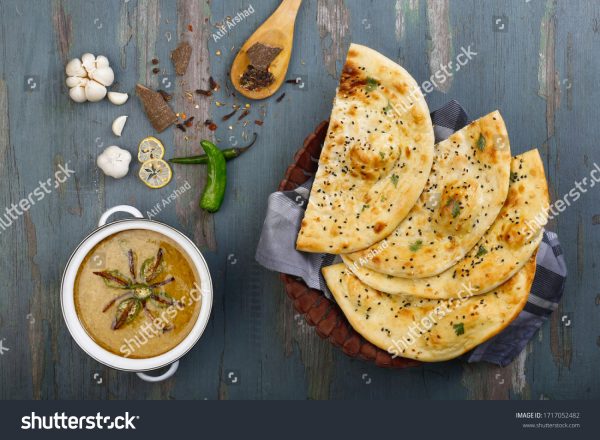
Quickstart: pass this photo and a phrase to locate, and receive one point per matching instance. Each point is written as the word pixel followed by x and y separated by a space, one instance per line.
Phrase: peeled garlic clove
pixel 75 68
pixel 118 124
pixel 88 61
pixel 103 75
pixel 74 81
pixel 77 94
pixel 118 98
pixel 102 61
pixel 94 91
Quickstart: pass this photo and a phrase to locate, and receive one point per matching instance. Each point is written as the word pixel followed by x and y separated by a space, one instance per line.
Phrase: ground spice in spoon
pixel 257 75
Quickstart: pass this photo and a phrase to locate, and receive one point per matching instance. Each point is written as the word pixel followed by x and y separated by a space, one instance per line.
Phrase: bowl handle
pixel 121 208
pixel 170 372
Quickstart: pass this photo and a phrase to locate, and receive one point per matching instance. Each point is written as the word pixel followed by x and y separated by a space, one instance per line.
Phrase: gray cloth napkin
pixel 277 251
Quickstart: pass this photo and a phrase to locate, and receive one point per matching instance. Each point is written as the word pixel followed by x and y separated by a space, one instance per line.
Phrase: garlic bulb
pixel 88 77
pixel 114 162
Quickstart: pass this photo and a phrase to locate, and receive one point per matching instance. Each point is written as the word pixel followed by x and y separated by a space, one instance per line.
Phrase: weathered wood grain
pixel 196 15
pixel 440 51
pixel 333 21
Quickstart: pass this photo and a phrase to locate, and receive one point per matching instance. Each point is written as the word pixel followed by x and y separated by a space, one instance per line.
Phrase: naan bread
pixel 425 329
pixel 375 160
pixel 500 253
pixel 466 189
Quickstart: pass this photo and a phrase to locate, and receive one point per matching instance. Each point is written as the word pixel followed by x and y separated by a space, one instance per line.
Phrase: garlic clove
pixel 102 61
pixel 118 98
pixel 77 94
pixel 75 68
pixel 94 91
pixel 103 75
pixel 88 61
pixel 74 81
pixel 118 124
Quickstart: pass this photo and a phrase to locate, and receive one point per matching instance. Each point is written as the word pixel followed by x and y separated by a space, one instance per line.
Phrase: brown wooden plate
pixel 319 311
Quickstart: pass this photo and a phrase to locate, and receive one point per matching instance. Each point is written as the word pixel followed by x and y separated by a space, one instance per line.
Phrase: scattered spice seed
pixel 218 53
pixel 292 81
pixel 167 97
pixel 190 28
pixel 204 92
pixel 280 97
pixel 259 122
pixel 229 115
pixel 213 84
pixel 155 61
pixel 181 127
pixel 189 121
pixel 210 124
pixel 155 70
pixel 245 113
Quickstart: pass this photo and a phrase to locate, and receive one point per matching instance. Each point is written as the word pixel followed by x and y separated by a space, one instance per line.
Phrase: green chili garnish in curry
pixel 139 289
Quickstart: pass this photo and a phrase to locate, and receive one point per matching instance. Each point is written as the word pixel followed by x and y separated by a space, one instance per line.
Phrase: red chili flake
pixel 155 61
pixel 155 70
pixel 204 92
pixel 181 127
pixel 259 122
pixel 190 28
pixel 188 123
pixel 229 115
pixel 213 84
pixel 210 124
pixel 280 97
pixel 165 95
pixel 245 113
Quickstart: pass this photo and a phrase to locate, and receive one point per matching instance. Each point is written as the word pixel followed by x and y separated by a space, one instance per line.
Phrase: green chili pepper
pixel 229 153
pixel 216 180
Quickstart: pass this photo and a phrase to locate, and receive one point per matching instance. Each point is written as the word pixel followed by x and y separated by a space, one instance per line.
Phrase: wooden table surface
pixel 536 60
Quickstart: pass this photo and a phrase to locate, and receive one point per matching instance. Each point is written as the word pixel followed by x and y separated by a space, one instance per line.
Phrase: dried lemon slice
pixel 150 148
pixel 155 173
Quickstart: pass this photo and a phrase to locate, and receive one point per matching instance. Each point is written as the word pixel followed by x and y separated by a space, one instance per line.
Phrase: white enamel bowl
pixel 87 344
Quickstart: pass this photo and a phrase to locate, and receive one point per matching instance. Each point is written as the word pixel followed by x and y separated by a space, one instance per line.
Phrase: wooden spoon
pixel 276 31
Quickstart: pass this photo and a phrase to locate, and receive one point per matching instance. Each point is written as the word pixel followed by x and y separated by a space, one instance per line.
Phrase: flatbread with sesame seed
pixel 463 196
pixel 501 252
pixel 425 329
pixel 375 160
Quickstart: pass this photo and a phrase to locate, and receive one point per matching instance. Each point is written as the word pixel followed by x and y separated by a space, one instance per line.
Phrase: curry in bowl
pixel 137 294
